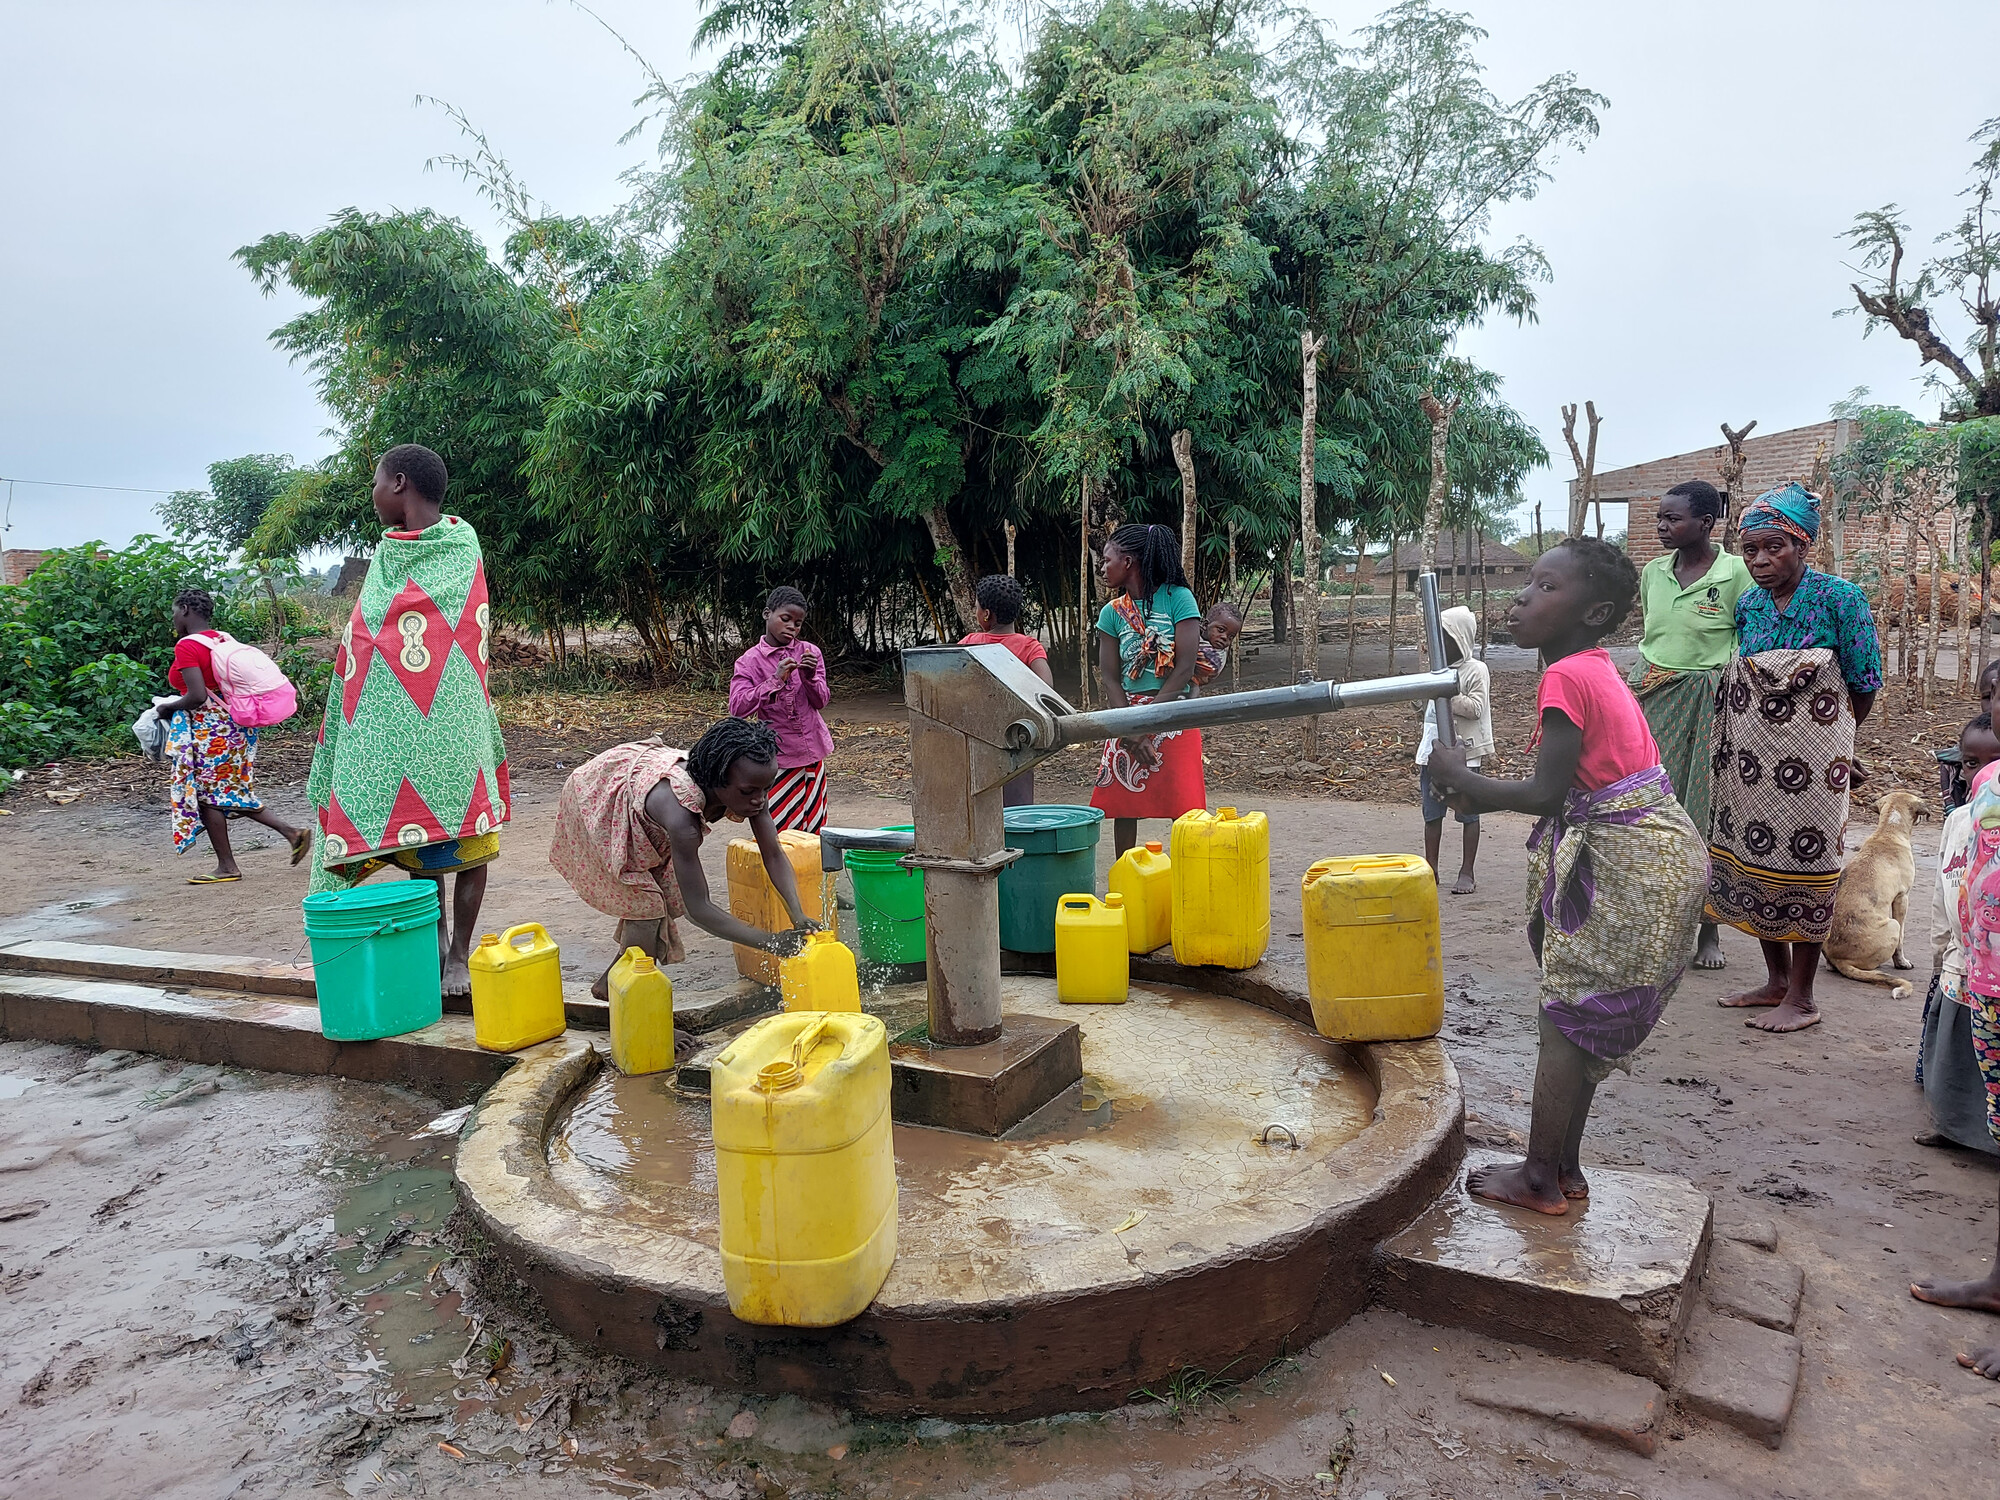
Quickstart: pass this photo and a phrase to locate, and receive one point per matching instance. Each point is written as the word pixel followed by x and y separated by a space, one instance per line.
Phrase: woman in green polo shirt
pixel 1689 596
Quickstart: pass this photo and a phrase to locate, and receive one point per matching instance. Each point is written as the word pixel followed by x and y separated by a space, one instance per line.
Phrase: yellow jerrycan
pixel 805 1168
pixel 1144 876
pixel 1092 964
pixel 1374 969
pixel 642 1015
pixel 1222 888
pixel 753 899
pixel 820 976
pixel 517 997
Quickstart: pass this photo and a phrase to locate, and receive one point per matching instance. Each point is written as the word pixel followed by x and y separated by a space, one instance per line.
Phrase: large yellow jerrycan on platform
pixel 753 899
pixel 1222 888
pixel 1144 876
pixel 642 1015
pixel 805 1170
pixel 820 976
pixel 517 997
pixel 1374 972
pixel 1093 965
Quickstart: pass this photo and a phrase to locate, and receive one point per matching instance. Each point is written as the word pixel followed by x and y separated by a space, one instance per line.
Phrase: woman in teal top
pixel 1147 639
pixel 1689 596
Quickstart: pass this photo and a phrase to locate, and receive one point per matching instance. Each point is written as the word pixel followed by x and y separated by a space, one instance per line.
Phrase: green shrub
pixel 86 641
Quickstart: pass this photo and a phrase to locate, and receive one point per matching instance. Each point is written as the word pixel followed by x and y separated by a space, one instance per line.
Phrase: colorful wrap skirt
pixel 1615 887
pixel 213 760
pixel 1784 748
pixel 797 799
pixel 1173 785
pixel 1680 710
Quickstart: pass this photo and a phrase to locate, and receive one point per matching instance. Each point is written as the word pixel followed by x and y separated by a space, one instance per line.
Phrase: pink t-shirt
pixel 1617 741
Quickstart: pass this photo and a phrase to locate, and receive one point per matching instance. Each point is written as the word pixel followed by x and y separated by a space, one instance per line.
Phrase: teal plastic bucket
pixel 1060 859
pixel 888 905
pixel 375 959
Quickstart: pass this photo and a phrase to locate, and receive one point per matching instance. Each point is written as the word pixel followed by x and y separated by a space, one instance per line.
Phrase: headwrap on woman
pixel 1790 508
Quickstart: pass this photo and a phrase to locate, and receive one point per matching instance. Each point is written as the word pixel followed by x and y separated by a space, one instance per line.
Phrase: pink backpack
pixel 255 691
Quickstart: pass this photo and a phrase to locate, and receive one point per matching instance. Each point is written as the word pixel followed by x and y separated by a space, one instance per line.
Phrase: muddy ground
pixel 215 1283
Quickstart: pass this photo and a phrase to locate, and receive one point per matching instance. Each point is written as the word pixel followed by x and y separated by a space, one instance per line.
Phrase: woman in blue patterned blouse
pixel 1807 669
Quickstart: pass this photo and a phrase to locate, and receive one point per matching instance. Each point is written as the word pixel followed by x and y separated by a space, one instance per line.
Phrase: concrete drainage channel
pixel 1271 1248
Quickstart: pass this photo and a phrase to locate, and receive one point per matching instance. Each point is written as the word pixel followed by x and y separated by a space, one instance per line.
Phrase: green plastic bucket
pixel 888 905
pixel 1060 860
pixel 375 959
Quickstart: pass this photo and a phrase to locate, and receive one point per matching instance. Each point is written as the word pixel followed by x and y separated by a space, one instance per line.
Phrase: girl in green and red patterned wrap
pixel 411 769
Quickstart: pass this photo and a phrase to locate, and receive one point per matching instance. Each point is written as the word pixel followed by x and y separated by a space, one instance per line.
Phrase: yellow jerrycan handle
pixel 777 1077
pixel 541 932
pixel 1078 903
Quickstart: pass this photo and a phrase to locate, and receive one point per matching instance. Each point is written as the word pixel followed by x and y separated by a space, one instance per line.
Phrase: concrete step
pixel 1612 1281
pixel 1740 1373
pixel 258 976
pixel 1600 1403
pixel 247 1031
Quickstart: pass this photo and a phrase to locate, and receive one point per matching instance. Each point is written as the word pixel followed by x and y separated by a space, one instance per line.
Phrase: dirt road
pixel 199 1299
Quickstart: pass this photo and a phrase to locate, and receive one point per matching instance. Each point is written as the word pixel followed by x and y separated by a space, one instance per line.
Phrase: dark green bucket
pixel 1060 859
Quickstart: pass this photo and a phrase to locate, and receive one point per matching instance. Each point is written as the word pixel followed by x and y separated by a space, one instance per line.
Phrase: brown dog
pixel 1872 899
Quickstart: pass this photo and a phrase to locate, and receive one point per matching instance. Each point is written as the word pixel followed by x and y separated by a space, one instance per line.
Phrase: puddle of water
pixel 61 919
pixel 12 1087
pixel 386 1261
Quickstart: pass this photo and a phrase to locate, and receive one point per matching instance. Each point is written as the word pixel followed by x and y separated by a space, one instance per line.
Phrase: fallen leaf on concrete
pixel 837 1451
pixel 457 1453
pixel 1387 1379
pixel 1131 1219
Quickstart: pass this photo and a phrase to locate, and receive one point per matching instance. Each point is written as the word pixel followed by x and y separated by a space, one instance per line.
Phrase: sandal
pixel 212 879
pixel 300 844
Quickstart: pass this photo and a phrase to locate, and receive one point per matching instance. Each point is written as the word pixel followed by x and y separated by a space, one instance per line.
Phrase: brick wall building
pixel 1866 543
pixel 16 563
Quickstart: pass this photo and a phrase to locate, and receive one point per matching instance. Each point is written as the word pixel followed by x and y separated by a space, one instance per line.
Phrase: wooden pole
pixel 1985 575
pixel 1395 578
pixel 1480 534
pixel 1309 348
pixel 1010 549
pixel 1083 597
pixel 1353 592
pixel 1236 655
pixel 1539 548
pixel 1182 443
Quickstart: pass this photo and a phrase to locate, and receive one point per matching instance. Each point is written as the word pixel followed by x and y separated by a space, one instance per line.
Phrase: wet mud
pixel 179 1317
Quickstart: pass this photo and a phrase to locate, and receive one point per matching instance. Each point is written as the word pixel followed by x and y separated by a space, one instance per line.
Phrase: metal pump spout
pixel 978 718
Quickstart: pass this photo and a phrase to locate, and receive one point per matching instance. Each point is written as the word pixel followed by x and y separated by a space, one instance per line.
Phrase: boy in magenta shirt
pixel 1616 873
pixel 1001 601
pixel 781 680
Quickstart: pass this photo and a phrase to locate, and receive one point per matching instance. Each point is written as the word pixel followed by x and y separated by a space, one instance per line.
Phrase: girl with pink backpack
pixel 225 691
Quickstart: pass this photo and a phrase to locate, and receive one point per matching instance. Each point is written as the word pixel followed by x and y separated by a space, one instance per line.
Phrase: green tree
pixel 227 513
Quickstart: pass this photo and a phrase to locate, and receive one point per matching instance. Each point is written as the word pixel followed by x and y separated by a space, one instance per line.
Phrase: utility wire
pixel 60 484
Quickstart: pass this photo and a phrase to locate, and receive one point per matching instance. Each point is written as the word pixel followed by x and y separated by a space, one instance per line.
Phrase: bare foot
pixel 1788 1017
pixel 1981 1296
pixel 1571 1181
pixel 1708 951
pixel 1508 1183
pixel 1466 884
pixel 1985 1361
pixel 1766 993
pixel 456 979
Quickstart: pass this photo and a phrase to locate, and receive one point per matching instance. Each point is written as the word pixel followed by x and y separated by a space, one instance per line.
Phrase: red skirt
pixel 797 799
pixel 1126 789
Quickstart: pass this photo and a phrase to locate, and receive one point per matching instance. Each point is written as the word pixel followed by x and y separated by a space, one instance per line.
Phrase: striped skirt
pixel 797 799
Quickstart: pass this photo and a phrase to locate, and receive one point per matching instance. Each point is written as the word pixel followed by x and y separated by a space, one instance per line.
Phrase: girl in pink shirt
pixel 1616 873
pixel 781 680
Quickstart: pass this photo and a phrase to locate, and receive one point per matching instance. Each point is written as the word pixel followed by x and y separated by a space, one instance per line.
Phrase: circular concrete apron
pixel 1133 1227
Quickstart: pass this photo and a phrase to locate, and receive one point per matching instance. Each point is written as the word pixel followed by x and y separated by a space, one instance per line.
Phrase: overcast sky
pixel 1695 246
